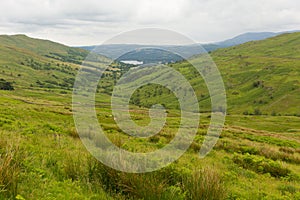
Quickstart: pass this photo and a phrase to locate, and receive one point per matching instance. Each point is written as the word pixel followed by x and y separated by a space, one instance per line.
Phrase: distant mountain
pixel 251 36
pixel 114 51
pixel 246 37
pixel 126 51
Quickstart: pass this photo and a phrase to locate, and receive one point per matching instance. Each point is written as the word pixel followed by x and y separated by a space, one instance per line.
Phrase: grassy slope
pixel 35 63
pixel 38 46
pixel 274 62
pixel 261 75
pixel 49 161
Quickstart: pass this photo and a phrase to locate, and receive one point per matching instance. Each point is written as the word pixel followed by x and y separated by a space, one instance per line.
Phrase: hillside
pixel 261 77
pixel 34 63
pixel 43 48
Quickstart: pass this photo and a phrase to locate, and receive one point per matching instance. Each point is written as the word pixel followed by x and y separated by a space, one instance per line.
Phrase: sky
pixel 91 22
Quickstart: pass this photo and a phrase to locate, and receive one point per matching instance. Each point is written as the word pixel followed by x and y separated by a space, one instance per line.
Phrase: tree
pixel 4 85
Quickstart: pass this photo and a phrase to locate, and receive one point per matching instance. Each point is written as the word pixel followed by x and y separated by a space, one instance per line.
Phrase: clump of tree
pixel 5 85
pixel 258 84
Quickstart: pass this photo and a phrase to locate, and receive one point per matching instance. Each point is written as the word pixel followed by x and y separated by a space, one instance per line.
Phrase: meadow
pixel 43 158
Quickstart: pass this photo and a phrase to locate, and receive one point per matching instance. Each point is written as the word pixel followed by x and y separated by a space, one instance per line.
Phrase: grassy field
pixel 256 157
pixel 43 158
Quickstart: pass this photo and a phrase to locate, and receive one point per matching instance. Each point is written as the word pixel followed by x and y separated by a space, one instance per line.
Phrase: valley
pixel 256 157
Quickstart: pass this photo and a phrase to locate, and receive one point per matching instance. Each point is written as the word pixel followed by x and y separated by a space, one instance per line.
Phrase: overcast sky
pixel 93 21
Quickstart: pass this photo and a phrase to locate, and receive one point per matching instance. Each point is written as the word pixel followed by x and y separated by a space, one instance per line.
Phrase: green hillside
pixel 34 63
pixel 263 75
pixel 260 77
pixel 42 47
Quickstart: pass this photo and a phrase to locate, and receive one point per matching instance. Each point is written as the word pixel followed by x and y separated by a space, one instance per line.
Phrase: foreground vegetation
pixel 43 158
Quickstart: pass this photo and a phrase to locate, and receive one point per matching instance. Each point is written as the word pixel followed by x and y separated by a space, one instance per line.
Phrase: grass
pixel 204 184
pixel 55 162
pixel 10 161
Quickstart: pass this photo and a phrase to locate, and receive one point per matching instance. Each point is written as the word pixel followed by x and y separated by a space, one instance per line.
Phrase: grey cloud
pixel 93 21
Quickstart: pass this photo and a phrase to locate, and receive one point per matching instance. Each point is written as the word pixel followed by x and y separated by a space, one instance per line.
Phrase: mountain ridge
pixel 114 51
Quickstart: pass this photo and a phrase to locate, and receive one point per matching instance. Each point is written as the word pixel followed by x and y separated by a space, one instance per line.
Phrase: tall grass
pixel 143 186
pixel 204 184
pixel 162 184
pixel 9 171
pixel 140 186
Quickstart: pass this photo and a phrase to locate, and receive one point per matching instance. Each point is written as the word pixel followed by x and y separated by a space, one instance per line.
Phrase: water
pixel 132 62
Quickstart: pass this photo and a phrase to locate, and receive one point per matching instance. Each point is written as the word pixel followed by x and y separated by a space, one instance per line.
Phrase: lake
pixel 132 62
